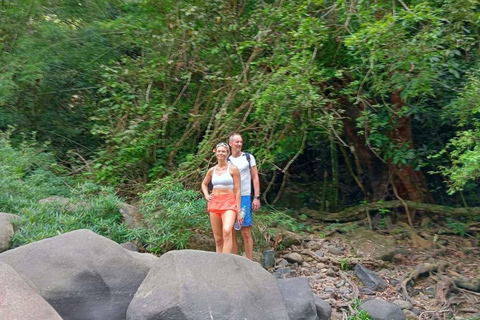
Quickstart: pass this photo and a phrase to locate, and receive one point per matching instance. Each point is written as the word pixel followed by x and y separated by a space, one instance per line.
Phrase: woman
pixel 224 201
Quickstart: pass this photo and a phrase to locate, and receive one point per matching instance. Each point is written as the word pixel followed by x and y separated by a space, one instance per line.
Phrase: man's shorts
pixel 246 203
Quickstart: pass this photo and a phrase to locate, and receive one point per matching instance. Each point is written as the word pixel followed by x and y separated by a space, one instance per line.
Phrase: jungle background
pixel 351 108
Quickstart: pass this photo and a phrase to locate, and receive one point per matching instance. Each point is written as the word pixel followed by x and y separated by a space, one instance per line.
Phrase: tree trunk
pixel 411 184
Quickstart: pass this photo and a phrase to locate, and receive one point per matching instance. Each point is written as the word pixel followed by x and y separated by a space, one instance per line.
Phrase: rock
pixel 403 304
pixel 314 245
pixel 290 238
pixel 201 242
pixel 298 297
pixel 60 200
pixel 330 272
pixel 190 284
pixel 131 216
pixel 66 203
pixel 268 259
pixel 282 273
pixel 410 315
pixel 369 244
pixel 19 301
pixel 369 278
pixel 281 263
pixel 293 257
pixel 6 229
pixel 81 274
pixel 430 292
pixel 324 310
pixel 319 253
pixel 129 246
pixel 382 310
pixel 336 250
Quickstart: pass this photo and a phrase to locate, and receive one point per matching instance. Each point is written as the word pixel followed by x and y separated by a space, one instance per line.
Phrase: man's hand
pixel 256 204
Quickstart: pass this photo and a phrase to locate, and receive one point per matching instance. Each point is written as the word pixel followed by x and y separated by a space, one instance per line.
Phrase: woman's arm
pixel 236 187
pixel 205 183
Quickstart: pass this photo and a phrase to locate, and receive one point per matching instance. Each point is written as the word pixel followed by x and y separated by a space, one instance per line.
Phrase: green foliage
pixel 132 91
pixel 28 174
pixel 173 212
pixel 457 227
pixel 359 314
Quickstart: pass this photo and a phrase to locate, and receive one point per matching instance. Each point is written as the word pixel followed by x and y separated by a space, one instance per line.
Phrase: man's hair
pixel 233 135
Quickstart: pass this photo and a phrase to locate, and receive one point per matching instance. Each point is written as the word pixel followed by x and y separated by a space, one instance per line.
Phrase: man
pixel 247 166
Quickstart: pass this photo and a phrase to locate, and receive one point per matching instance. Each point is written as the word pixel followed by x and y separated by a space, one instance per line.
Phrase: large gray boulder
pixel 191 284
pixel 6 229
pixel 299 299
pixel 18 301
pixel 382 310
pixel 81 274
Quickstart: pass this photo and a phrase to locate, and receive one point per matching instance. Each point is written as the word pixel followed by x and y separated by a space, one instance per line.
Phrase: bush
pixel 28 174
pixel 173 212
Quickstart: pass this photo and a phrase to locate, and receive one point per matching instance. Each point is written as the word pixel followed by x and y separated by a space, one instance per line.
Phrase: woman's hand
pixel 208 197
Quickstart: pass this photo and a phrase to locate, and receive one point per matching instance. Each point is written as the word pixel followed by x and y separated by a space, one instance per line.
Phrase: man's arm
pixel 256 187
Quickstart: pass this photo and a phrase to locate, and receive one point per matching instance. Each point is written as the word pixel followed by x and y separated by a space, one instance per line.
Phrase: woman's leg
pixel 235 242
pixel 216 223
pixel 228 219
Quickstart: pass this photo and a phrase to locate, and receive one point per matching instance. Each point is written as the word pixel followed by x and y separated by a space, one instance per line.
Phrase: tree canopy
pixel 340 101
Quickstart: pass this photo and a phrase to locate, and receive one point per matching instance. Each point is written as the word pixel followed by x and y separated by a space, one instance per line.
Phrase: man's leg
pixel 248 242
pixel 247 227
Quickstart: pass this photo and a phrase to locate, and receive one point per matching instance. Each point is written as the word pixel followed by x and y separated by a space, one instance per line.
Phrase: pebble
pixel 340 283
pixel 331 273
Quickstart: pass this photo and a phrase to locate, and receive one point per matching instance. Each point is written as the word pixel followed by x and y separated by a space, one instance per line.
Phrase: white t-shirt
pixel 241 163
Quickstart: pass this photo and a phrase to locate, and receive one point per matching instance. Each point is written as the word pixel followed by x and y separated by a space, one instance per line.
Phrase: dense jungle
pixel 362 115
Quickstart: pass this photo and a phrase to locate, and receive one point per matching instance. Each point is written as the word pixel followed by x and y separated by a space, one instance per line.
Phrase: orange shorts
pixel 219 204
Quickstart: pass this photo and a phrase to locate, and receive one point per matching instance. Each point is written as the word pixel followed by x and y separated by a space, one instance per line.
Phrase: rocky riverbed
pixel 428 275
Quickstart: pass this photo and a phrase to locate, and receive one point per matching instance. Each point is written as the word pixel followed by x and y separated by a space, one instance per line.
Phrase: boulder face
pixel 192 284
pixel 19 301
pixel 81 274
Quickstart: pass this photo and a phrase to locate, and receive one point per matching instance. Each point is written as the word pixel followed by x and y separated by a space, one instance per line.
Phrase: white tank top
pixel 224 181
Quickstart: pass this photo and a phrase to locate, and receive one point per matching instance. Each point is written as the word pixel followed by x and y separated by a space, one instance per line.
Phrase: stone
pixel 382 310
pixel 293 257
pixel 19 301
pixel 290 239
pixel 369 244
pixel 403 304
pixel 129 246
pixel 81 274
pixel 268 259
pixel 131 216
pixel 410 315
pixel 66 203
pixel 319 253
pixel 282 263
pixel 369 278
pixel 314 245
pixel 191 284
pixel 336 250
pixel 324 310
pixel 6 229
pixel 299 299
pixel 282 273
